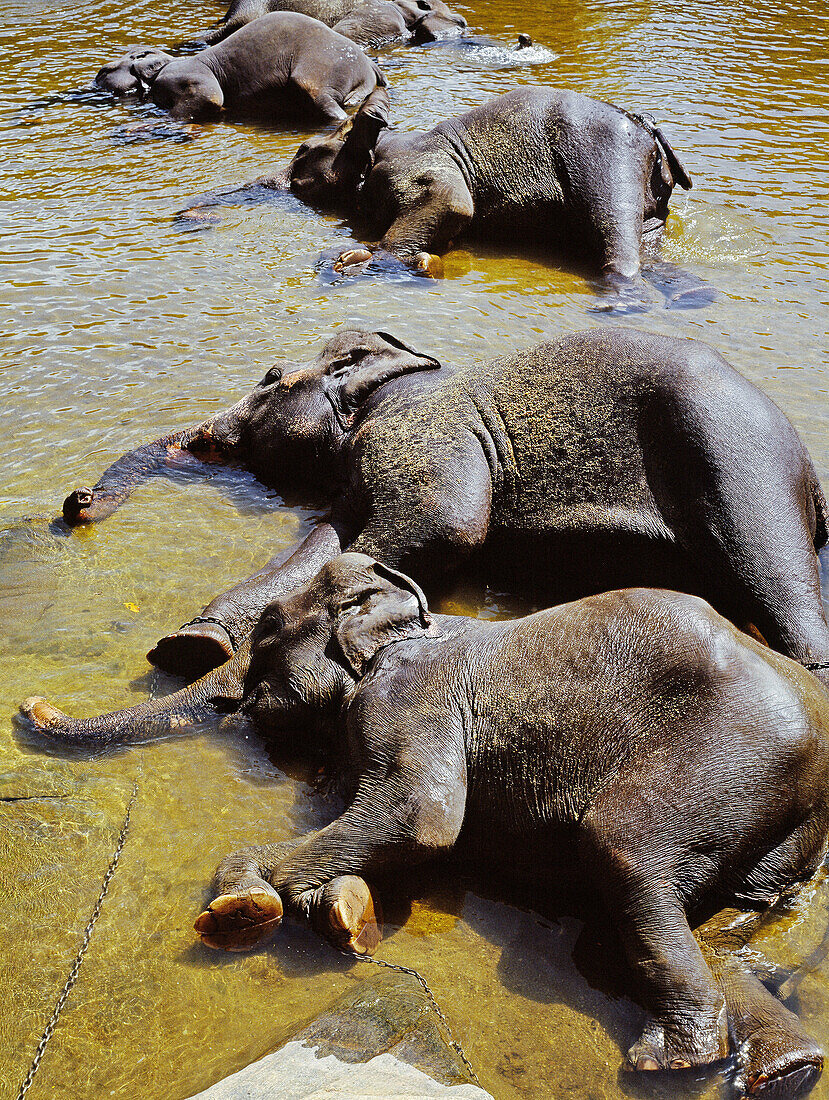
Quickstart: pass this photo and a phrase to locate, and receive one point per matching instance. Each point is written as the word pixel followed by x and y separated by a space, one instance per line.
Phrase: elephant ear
pixel 354 378
pixel 376 614
pixel 359 136
pixel 147 68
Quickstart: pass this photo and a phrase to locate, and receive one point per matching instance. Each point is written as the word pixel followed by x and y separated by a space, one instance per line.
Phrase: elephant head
pixel 286 430
pixel 429 20
pixel 305 655
pixel 184 86
pixel 310 648
pixel 121 77
pixel 333 165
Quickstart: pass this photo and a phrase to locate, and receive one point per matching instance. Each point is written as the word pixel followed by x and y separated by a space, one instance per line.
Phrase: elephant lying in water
pixel 601 460
pixel 367 22
pixel 601 742
pixel 540 164
pixel 283 61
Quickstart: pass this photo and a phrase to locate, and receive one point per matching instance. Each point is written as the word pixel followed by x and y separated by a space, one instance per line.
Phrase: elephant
pixel 602 459
pixel 369 22
pixel 598 743
pixel 118 76
pixel 547 165
pixel 283 61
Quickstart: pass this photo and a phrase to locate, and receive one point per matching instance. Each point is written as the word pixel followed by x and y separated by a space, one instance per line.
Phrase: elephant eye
pixel 273 620
pixel 273 375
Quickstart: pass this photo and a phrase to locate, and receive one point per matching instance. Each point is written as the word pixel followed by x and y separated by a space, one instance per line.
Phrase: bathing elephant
pixel 368 22
pixel 283 62
pixel 542 165
pixel 599 460
pixel 118 76
pixel 599 743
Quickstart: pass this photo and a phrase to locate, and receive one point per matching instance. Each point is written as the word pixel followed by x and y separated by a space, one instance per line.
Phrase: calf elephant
pixel 599 460
pixel 599 742
pixel 539 164
pixel 368 22
pixel 282 62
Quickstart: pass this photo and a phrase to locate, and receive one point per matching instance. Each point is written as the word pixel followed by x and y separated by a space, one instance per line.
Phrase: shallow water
pixel 122 327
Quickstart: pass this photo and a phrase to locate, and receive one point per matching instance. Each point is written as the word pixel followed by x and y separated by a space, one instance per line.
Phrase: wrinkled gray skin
pixel 601 460
pixel 283 62
pixel 600 741
pixel 118 76
pixel 542 165
pixel 369 22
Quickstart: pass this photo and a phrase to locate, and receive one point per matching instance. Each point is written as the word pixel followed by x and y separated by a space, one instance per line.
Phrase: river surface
pixel 121 327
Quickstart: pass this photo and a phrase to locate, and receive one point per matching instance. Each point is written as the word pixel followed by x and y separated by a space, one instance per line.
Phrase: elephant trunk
pixel 116 483
pixel 220 692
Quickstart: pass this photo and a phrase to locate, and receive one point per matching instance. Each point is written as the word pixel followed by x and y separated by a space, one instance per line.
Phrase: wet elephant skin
pixel 604 458
pixel 615 728
pixel 283 62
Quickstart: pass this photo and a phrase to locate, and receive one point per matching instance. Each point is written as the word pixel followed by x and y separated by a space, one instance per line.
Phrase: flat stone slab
pixel 382 1040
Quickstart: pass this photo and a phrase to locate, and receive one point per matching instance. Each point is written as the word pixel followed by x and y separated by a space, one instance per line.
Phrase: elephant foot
pixel 196 218
pixel 778 1065
pixel 659 1048
pixel 355 258
pixel 193 650
pixel 240 922
pixel 427 263
pixel 348 915
pixel 695 297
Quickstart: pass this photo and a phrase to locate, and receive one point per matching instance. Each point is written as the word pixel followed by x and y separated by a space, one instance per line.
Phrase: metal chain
pixel 76 965
pixel 409 970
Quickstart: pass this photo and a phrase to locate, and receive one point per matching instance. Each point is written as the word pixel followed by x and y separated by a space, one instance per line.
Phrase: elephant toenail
pixel 680 1063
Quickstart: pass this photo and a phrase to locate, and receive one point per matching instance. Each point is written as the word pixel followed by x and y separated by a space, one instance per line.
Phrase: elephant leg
pixel 322 878
pixel 608 217
pixel 246 910
pixel 779 578
pixel 615 227
pixel 213 637
pixel 755 536
pixel 776 1057
pixel 422 230
pixel 680 288
pixel 687 1023
pixel 323 99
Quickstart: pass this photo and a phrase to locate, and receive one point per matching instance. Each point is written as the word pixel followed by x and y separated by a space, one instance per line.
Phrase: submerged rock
pixel 381 1040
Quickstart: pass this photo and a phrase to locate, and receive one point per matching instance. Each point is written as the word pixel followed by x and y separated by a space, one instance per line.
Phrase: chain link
pixel 414 973
pixel 76 965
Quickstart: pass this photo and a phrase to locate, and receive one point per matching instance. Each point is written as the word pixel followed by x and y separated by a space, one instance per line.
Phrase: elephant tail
pixel 677 169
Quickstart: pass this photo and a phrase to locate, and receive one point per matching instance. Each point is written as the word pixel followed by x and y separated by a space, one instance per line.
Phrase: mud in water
pixel 121 326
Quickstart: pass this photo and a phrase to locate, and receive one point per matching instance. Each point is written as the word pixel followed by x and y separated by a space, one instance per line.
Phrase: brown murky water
pixel 120 326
